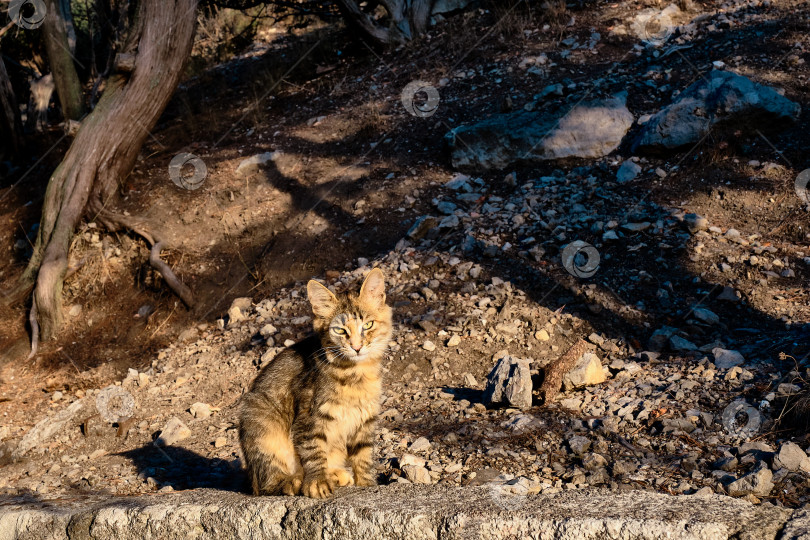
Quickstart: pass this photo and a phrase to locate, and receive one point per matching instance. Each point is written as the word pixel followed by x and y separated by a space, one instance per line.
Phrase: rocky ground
pixel 660 416
pixel 685 273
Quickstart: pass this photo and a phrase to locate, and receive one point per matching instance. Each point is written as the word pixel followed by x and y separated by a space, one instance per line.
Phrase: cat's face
pixel 356 328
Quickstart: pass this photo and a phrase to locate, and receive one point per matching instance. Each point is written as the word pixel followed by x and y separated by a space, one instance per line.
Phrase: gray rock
pixel 174 431
pixel 695 223
pixel 790 456
pixel 726 359
pixel 417 474
pixel 200 410
pixel 757 482
pixel 510 383
pixel 239 310
pixel 591 129
pixel 628 171
pixel 660 337
pixel 586 372
pixel 47 428
pixel 397 512
pixel 250 166
pixel 421 226
pixel 721 97
pixel 705 315
pixel 420 445
pixel 579 444
pixel 681 344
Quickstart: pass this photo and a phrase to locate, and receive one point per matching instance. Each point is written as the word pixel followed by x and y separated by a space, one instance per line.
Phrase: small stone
pixel 56 396
pixel 572 404
pixel 592 461
pixel 705 491
pixel 75 310
pixel 420 445
pixel 143 379
pixel 174 431
pixel 542 335
pixel 200 410
pixel 416 474
pixel 726 359
pixel 453 341
pixel 98 453
pixel 790 456
pixel 219 442
pixel 757 482
pixel 268 330
pixel 628 171
pixel 705 315
pixel 238 310
pixel 429 346
pixel 250 166
pixel 695 223
pixel 189 334
pixel 587 372
pixel 410 459
pixel 421 227
pixel 680 344
pixel 729 295
pixel 469 380
pixel 579 444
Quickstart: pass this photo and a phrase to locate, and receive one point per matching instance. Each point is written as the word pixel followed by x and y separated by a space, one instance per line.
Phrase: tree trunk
pixel 407 19
pixel 70 27
pixel 68 86
pixel 106 146
pixel 11 132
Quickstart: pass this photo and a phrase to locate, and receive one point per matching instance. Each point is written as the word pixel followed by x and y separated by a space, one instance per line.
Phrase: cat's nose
pixel 357 347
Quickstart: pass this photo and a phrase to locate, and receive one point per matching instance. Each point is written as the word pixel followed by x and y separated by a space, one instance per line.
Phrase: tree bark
pixel 11 131
pixel 106 146
pixel 556 370
pixel 407 19
pixel 68 86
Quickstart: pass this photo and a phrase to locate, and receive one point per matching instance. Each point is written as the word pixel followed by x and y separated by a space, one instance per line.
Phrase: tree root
pixel 174 283
pixel 32 319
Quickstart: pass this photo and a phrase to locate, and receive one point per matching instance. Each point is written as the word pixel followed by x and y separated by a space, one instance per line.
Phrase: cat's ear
pixel 322 300
pixel 372 293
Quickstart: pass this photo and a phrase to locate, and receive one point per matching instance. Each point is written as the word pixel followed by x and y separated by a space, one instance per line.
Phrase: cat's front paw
pixel 318 488
pixel 292 485
pixel 341 477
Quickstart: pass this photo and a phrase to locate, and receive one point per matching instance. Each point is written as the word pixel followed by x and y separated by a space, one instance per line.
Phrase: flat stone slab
pixel 398 512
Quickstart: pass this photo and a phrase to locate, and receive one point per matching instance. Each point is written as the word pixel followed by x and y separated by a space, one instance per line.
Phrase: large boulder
pixel 588 130
pixel 719 98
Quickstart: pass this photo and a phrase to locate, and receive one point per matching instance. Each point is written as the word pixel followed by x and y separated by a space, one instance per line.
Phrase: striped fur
pixel 307 423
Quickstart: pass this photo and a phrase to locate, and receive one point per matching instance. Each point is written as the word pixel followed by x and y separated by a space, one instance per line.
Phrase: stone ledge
pixel 401 512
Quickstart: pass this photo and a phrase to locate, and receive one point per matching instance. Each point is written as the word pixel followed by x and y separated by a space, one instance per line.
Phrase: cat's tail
pixel 273 467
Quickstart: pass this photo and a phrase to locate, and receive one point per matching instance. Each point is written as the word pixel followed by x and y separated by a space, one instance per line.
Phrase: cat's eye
pixel 368 325
pixel 339 331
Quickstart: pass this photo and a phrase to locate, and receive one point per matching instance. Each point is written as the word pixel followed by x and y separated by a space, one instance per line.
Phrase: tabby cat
pixel 307 423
